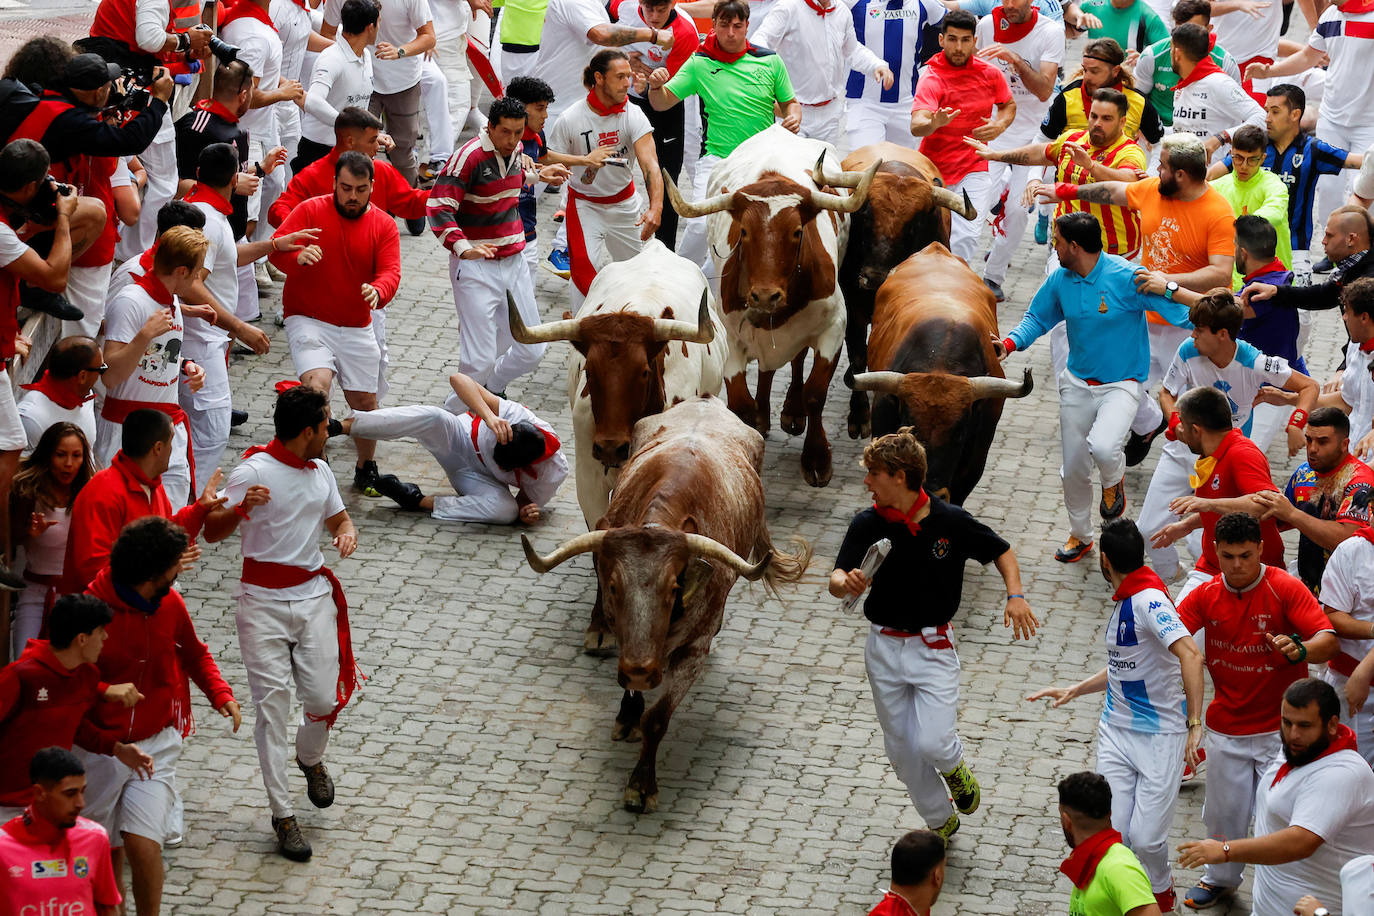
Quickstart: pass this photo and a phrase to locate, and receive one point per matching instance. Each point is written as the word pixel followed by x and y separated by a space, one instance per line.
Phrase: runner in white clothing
pixel 64 393
pixel 892 29
pixel 486 450
pixel 292 615
pixel 1152 721
pixel 604 218
pixel 818 44
pixel 341 78
pixel 1347 596
pixel 1207 102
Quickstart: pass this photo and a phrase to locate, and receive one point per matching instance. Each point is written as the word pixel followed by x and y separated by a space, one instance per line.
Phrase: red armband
pixel 1298 419
pixel 241 512
pixel 1065 191
pixel 1008 344
pixel 1172 432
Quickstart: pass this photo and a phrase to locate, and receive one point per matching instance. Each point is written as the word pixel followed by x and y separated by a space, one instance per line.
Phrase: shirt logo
pixel 16 871
pixel 1216 482
pixel 874 13
pixel 1297 160
pixel 48 868
pixel 42 694
pixel 941 548
pixel 80 867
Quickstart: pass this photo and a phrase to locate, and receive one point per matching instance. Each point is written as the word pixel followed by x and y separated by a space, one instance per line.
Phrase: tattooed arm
pixel 616 36
pixel 1103 192
pixel 1033 154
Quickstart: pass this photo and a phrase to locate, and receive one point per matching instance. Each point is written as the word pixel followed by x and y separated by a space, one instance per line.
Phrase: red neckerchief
pixel 1367 346
pixel 145 260
pixel 894 905
pixel 1344 741
pixel 57 392
pixel 128 466
pixel 203 193
pixel 551 445
pixel 1211 40
pixel 1005 32
pixel 1273 266
pixel 604 110
pixel 1205 67
pixel 247 9
pixel 1356 7
pixel 32 830
pixel 889 514
pixel 821 11
pixel 279 451
pixel 711 49
pixel 154 287
pixel 1082 863
pixel 1364 531
pixel 1137 582
pixel 215 108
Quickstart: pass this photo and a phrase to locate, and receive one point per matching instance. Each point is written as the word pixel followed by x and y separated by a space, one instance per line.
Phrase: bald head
pixel 71 356
pixel 1347 232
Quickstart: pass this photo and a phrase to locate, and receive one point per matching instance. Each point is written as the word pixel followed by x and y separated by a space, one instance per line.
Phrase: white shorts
pixel 351 354
pixel 121 802
pixel 12 438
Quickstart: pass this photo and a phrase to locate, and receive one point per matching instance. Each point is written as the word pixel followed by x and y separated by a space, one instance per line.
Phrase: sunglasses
pixel 99 370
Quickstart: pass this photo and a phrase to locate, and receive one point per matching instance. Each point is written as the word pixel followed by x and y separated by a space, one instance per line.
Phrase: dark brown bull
pixel 908 207
pixel 935 368
pixel 686 513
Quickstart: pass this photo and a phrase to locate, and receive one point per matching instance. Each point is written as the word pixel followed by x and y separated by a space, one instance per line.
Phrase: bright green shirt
pixel 1264 195
pixel 523 22
pixel 736 99
pixel 1118 886
pixel 1135 28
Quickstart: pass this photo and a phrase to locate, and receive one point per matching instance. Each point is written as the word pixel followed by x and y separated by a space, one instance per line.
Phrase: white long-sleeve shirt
pixel 819 51
pixel 1213 104
pixel 341 79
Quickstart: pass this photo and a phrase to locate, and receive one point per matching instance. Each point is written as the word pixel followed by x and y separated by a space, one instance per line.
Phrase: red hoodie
pixel 155 651
pixel 43 704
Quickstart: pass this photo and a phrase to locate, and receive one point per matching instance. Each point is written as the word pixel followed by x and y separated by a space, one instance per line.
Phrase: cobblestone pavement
pixel 475 771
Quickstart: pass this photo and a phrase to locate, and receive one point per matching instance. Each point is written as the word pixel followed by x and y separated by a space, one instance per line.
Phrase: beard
pixel 161 593
pixel 1168 187
pixel 350 211
pixel 1314 750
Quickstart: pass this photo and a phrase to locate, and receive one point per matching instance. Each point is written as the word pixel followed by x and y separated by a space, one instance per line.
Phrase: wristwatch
pixel 401 51
pixel 1169 289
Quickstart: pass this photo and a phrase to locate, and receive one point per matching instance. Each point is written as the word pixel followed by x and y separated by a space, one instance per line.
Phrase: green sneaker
pixel 964 788
pixel 948 828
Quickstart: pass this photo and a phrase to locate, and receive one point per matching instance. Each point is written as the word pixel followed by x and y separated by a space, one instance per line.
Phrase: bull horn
pixel 882 382
pixel 856 198
pixel 687 209
pixel 944 197
pixel 583 543
pixel 842 180
pixel 988 386
pixel 568 329
pixel 711 549
pixel 702 332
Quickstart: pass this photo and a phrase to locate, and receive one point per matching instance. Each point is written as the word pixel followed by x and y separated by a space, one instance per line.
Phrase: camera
pixel 42 209
pixel 225 53
pixel 133 95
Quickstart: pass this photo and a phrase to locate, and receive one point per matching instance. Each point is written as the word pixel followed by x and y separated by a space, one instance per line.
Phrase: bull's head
pixel 937 405
pixel 623 353
pixel 903 212
pixel 772 223
pixel 650 577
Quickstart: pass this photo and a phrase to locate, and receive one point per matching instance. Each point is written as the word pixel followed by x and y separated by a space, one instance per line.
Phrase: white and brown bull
pixel 686 520
pixel 776 239
pixel 934 367
pixel 908 208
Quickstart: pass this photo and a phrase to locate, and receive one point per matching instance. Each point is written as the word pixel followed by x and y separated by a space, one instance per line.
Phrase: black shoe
pixel 415 226
pixel 365 479
pixel 1113 501
pixel 237 417
pixel 242 349
pixel 11 581
pixel 1324 266
pixel 405 495
pixel 1138 447
pixel 318 784
pixel 996 289
pixel 54 304
pixel 335 428
pixel 290 843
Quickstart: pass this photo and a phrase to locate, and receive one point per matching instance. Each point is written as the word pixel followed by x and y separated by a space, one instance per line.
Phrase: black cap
pixel 90 71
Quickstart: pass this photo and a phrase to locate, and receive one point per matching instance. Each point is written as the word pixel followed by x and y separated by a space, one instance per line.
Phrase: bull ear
pixel 689 525
pixel 567 315
pixel 697 574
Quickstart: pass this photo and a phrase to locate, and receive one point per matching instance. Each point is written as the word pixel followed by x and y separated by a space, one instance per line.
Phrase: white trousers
pixel 1268 420
pixel 1169 482
pixel 1165 339
pixel 160 162
pixel 823 122
pixel 451 63
pixel 597 235
pixel 873 122
pixel 283 641
pixel 481 498
pixel 1094 421
pixel 269 188
pixel 1362 722
pixel 288 134
pixel 1333 190
pixel 1144 772
pixel 176 480
pixel 87 289
pixel 438 118
pixel 692 245
pixel 963 233
pixel 1234 768
pixel 1010 228
pixel 487 352
pixel 916 693
pixel 247 308
pixel 28 617
pixel 122 802
pixel 208 412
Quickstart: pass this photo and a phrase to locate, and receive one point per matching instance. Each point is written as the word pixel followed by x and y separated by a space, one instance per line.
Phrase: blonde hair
pixel 899 451
pixel 180 246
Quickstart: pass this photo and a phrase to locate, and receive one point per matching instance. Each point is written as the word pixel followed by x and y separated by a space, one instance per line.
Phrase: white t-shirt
pixel 1246 36
pixel 287 529
pixel 260 48
pixel 1043 44
pixel 1348 585
pixel 1213 104
pixel 564 50
pixel 550 473
pixel 1334 798
pixel 293 27
pixel 1144 683
pixel 1240 379
pixel 818 51
pixel 1350 78
pixel 451 18
pixel 340 79
pixel 580 130
pixel 399 22
pixel 222 260
pixel 157 374
pixel 1357 886
pixel 11 248
pixel 47 555
pixel 1357 390
pixel 37 412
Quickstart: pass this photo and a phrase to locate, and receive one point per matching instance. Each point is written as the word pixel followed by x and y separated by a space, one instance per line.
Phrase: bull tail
pixel 786 567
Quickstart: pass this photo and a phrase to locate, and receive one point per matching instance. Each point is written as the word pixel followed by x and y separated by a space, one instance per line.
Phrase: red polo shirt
pixel 115 496
pixel 1240 469
pixel 973 89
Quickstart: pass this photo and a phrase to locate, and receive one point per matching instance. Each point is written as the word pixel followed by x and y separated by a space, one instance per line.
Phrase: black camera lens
pixel 224 53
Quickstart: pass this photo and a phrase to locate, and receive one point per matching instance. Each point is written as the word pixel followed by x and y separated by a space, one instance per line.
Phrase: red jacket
pixel 356 251
pixel 155 651
pixel 44 704
pixel 389 190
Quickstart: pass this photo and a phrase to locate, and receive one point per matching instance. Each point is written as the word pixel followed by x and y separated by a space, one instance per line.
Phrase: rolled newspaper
pixel 872 560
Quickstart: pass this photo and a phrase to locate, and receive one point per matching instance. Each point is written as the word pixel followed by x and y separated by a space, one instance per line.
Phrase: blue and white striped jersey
pixel 892 30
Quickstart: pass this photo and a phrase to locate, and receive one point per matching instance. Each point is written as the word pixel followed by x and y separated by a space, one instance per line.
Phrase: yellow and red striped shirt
pixel 1120 225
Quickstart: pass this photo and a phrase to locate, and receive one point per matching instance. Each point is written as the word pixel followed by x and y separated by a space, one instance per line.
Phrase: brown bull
pixel 686 514
pixel 935 368
pixel 908 208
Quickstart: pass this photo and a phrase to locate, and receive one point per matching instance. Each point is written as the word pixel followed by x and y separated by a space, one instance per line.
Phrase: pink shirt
pixel 974 89
pixel 68 877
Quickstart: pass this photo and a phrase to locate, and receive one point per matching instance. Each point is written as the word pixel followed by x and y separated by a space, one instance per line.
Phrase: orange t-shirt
pixel 1180 236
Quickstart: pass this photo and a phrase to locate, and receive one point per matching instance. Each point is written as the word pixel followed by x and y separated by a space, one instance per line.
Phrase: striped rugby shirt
pixel 1120 225
pixel 891 29
pixel 475 200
